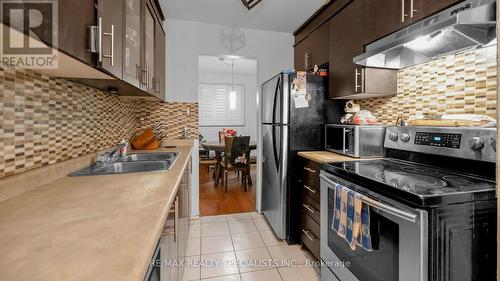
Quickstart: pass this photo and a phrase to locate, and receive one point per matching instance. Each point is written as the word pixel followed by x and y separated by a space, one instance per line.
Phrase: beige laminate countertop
pixel 328 157
pixel 88 228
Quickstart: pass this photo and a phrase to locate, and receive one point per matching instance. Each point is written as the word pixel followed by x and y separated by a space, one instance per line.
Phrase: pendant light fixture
pixel 250 3
pixel 232 93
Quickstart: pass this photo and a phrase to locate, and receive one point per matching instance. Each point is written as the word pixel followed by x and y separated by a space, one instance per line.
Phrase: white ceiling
pixel 210 64
pixel 273 15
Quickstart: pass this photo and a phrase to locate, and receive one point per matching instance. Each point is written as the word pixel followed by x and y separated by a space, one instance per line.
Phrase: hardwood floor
pixel 214 201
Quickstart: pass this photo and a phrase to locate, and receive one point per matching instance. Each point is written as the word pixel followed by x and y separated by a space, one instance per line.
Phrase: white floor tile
pixel 212 219
pixel 261 224
pixel 195 231
pixel 239 217
pixel 216 244
pixel 256 215
pixel 265 275
pixel 242 226
pixel 254 260
pixel 193 247
pixel 248 240
pixel 220 264
pixel 270 239
pixel 214 229
pixel 234 277
pixel 191 269
pixel 287 255
pixel 299 274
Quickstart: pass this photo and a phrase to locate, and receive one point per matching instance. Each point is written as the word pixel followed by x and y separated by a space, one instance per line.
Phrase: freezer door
pixel 271 100
pixel 274 178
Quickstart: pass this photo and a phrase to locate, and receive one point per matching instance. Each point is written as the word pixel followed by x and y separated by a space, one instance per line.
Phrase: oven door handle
pixel 381 206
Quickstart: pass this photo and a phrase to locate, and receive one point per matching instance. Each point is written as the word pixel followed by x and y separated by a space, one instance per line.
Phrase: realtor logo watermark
pixel 29 34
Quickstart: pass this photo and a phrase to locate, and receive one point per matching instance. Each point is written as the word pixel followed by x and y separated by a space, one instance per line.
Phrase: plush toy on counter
pixel 354 115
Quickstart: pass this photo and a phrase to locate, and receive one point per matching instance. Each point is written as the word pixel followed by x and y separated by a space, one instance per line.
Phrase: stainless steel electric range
pixel 435 211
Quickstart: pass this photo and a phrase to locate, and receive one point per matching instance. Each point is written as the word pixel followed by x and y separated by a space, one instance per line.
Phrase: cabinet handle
pixel 176 219
pixel 99 37
pixel 112 36
pixel 306 232
pixel 362 86
pixel 310 170
pixel 307 56
pixel 403 15
pixel 309 208
pixel 357 73
pixel 310 189
pixel 412 8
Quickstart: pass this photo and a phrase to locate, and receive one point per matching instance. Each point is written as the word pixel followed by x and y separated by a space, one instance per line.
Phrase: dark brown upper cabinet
pixel 425 8
pixel 313 50
pixel 110 36
pixel 160 67
pixel 132 64
pixel 383 17
pixel 348 80
pixel 73 28
pixel 346 42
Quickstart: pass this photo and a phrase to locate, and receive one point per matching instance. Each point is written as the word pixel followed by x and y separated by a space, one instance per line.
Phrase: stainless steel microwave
pixel 355 141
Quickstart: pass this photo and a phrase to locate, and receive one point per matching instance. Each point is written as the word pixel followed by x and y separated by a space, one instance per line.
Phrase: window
pixel 219 107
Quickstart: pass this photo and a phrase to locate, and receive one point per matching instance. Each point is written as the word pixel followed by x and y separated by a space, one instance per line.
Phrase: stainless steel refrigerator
pixel 287 128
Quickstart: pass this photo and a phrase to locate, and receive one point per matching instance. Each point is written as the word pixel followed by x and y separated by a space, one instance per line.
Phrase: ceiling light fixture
pixel 250 3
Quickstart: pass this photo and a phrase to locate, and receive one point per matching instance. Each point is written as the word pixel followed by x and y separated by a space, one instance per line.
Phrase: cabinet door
pixel 160 53
pixel 425 8
pixel 382 17
pixel 110 19
pixel 346 42
pixel 149 48
pixel 313 50
pixel 319 45
pixel 73 28
pixel 132 70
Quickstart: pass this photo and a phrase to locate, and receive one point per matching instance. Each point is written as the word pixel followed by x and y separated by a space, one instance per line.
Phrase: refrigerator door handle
pixel 274 102
pixel 275 152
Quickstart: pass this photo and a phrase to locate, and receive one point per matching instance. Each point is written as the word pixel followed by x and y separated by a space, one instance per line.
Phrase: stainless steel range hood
pixel 468 25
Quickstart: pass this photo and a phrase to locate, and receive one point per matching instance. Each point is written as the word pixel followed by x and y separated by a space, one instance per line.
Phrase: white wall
pixel 250 84
pixel 186 40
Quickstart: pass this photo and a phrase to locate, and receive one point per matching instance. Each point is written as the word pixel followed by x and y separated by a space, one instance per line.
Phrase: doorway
pixel 227 98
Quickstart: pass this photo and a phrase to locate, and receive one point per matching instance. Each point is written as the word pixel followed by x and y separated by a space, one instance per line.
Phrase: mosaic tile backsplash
pixel 45 120
pixel 464 83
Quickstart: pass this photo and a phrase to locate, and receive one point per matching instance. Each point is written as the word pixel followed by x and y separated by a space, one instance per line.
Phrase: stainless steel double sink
pixel 133 163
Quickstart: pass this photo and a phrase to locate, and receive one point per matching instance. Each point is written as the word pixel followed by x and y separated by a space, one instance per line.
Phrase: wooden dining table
pixel 218 147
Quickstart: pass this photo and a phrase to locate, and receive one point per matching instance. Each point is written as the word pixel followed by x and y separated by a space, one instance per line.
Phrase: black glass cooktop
pixel 414 179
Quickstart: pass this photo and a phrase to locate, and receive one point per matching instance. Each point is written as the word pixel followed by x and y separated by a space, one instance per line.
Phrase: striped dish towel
pixel 351 218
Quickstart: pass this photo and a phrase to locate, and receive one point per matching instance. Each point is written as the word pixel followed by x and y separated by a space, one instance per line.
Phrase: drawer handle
pixel 306 232
pixel 309 208
pixel 310 170
pixel 312 190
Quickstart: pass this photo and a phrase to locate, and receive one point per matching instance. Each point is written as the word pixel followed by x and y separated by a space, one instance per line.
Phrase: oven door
pixel 399 239
pixel 335 138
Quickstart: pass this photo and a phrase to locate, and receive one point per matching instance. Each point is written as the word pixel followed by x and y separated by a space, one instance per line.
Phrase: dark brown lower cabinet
pixel 309 207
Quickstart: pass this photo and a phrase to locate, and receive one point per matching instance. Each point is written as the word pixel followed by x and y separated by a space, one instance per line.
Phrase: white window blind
pixel 218 107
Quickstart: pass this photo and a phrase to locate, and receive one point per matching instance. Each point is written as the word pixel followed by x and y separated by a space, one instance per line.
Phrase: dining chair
pixel 236 152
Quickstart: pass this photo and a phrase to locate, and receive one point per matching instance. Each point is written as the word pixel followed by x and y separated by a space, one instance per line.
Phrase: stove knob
pixel 476 143
pixel 405 137
pixel 393 136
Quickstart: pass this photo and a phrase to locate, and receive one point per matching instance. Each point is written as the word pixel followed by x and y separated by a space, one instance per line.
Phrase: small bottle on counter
pixel 123 148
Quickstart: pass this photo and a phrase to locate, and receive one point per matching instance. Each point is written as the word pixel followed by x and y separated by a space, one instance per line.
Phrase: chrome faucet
pixel 107 157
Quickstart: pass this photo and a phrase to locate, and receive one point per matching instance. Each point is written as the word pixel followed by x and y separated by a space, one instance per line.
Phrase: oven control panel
pixel 475 143
pixel 438 139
